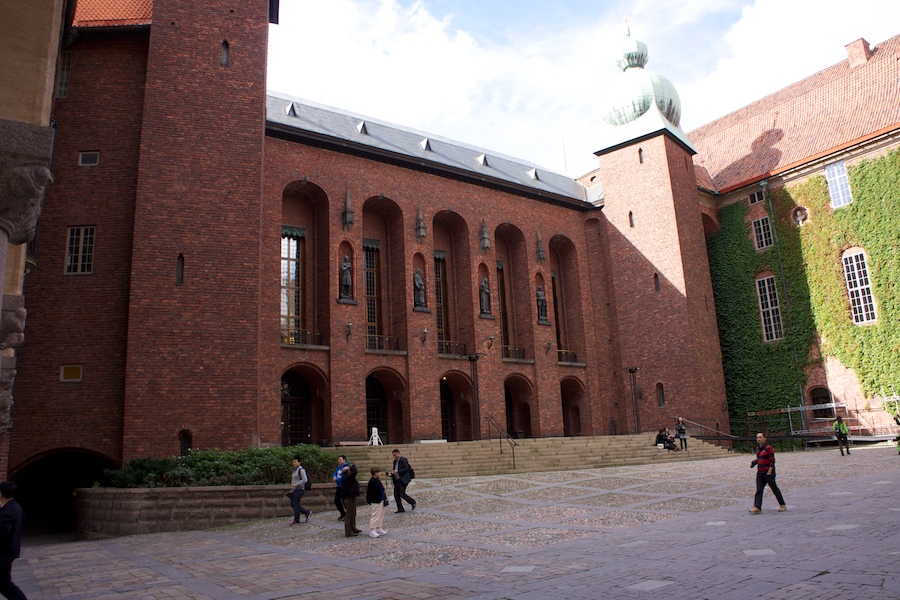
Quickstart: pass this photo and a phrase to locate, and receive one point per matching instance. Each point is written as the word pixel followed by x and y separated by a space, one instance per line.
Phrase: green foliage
pixel 871 222
pixel 254 466
pixel 807 262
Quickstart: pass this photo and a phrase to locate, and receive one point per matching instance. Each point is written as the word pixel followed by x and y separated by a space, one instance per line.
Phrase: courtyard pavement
pixel 678 530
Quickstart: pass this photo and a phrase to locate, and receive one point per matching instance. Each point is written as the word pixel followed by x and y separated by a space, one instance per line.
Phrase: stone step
pixel 531 455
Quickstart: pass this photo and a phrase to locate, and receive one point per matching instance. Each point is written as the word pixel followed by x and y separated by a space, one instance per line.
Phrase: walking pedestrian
pixel 298 488
pixel 840 432
pixel 401 476
pixel 765 474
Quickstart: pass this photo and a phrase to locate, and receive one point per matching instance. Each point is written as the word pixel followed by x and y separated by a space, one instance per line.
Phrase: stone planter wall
pixel 112 512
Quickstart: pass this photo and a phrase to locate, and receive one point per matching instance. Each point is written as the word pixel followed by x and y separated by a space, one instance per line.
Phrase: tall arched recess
pixel 453 283
pixel 568 312
pixel 304 264
pixel 384 282
pixel 515 297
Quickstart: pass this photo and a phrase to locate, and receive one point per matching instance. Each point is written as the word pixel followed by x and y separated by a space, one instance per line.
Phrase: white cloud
pixel 403 64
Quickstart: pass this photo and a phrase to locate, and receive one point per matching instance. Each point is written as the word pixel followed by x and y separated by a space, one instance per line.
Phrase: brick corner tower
pixel 664 306
pixel 193 309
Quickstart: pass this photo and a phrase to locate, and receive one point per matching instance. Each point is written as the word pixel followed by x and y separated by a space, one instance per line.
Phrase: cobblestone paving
pixel 680 530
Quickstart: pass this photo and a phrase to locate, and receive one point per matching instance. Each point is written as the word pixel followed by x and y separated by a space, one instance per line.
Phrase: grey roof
pixel 303 118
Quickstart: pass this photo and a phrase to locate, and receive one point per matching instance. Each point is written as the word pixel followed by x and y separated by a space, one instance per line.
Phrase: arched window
pixel 660 395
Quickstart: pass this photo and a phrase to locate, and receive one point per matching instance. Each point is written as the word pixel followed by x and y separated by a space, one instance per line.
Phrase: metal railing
pixel 513 352
pixel 566 356
pixel 502 435
pixel 454 348
pixel 382 342
pixel 301 337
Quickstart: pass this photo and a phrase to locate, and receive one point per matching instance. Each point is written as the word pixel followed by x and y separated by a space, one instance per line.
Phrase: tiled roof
pixel 293 115
pixel 112 13
pixel 822 113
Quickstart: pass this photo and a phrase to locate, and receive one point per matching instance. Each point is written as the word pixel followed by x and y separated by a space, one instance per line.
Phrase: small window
pixel 63 74
pixel 756 197
pixel 762 233
pixel 80 253
pixel 838 184
pixel 88 159
pixel 185 441
pixel 70 374
pixel 630 218
pixel 225 51
pixel 656 281
pixel 769 311
pixel 862 305
pixel 660 395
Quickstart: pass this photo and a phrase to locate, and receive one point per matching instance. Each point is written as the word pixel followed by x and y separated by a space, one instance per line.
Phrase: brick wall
pixel 108 512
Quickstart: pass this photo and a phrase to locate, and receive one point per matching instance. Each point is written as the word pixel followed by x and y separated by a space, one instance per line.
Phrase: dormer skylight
pixel 482 160
pixel 361 128
pixel 425 145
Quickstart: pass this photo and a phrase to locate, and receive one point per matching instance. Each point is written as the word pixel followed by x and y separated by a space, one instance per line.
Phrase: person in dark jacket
pixel 401 478
pixel 350 491
pixel 11 520
pixel 377 499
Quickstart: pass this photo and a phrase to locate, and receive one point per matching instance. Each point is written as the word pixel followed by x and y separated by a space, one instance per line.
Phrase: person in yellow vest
pixel 841 431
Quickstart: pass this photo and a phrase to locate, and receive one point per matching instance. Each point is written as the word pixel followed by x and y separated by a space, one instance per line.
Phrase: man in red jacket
pixel 765 474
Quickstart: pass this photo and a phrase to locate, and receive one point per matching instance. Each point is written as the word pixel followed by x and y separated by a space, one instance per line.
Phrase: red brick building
pixel 219 265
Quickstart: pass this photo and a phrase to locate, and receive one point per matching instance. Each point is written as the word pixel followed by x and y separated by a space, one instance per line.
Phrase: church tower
pixel 659 271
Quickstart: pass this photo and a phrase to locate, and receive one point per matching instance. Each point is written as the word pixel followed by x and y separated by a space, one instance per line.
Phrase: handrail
pixel 713 429
pixel 501 434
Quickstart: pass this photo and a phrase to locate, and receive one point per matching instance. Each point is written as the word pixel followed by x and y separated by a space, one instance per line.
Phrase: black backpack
pixel 412 474
pixel 308 485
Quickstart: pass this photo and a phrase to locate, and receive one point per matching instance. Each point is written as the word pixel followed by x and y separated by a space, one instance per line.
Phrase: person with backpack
pixel 299 484
pixel 401 475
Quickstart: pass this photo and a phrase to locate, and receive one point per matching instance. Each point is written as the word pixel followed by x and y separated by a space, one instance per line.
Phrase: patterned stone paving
pixel 621 518
pixel 506 534
pixel 428 556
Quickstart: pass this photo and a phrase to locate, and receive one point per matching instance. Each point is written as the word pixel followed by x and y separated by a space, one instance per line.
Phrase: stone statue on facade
pixel 346 278
pixel 541 304
pixel 418 289
pixel 484 296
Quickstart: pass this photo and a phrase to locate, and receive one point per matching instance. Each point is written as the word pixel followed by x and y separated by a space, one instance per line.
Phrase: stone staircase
pixel 468 459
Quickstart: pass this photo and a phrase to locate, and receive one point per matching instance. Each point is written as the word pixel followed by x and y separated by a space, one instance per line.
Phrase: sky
pixel 530 78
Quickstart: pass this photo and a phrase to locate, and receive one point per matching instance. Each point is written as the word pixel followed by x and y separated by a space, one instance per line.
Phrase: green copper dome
pixel 637 89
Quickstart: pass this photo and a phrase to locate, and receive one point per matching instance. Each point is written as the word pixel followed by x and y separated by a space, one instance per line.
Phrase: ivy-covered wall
pixel 807 263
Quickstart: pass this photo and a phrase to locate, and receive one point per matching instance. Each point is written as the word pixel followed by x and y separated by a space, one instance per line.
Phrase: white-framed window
pixel 838 184
pixel 63 74
pixel 80 251
pixel 756 197
pixel 769 312
pixel 88 159
pixel 762 233
pixel 862 305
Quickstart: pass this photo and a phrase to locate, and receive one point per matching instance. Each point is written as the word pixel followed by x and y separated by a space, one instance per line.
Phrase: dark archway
pixel 456 407
pixel 47 487
pixel 296 410
pixel 518 394
pixel 376 409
